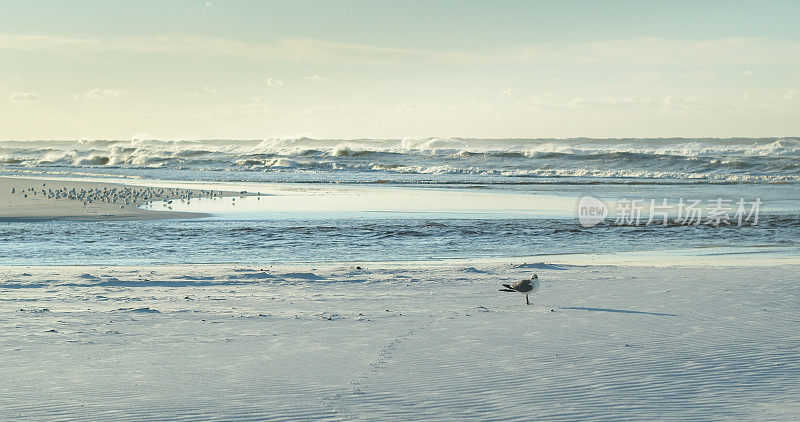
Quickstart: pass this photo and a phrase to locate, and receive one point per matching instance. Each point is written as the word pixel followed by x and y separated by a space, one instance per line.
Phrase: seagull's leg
pixel 527 302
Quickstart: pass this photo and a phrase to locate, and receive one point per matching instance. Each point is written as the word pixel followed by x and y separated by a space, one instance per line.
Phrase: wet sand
pixel 23 199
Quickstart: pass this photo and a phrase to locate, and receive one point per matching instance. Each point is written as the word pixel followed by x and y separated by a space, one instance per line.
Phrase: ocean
pixel 411 199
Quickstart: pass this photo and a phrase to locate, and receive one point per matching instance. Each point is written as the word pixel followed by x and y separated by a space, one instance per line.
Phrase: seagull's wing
pixel 507 290
pixel 519 284
pixel 522 286
pixel 507 286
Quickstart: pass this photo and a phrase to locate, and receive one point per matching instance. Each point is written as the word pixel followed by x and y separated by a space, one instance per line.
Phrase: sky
pixel 223 69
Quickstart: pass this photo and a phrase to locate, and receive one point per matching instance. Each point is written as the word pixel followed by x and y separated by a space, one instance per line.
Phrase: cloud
pixel 101 94
pixel 23 97
pixel 654 51
pixel 788 94
pixel 618 103
pixel 689 53
pixel 48 43
pixel 205 91
pixel 611 101
pixel 693 54
pixel 274 82
pixel 315 78
pixel 289 49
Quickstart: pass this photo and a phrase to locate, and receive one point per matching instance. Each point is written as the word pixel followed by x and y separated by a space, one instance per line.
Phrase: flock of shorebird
pixel 122 196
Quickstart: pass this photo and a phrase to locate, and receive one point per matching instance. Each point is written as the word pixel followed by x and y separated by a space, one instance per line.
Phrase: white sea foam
pixel 729 160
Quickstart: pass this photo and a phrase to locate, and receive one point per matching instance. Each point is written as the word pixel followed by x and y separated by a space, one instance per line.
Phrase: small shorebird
pixel 525 287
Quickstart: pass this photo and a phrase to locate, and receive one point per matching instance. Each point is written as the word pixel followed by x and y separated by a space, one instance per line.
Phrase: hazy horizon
pixel 383 70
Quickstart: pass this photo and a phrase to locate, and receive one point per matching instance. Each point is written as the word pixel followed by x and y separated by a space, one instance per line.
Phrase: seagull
pixel 525 287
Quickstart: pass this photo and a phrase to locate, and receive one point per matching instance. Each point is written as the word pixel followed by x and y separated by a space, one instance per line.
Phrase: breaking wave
pixel 734 160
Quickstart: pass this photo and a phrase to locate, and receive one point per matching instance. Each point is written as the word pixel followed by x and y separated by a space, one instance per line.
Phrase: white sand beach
pixel 400 342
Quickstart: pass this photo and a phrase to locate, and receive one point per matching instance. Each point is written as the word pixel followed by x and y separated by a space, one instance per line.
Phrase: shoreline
pixel 36 200
pixel 741 257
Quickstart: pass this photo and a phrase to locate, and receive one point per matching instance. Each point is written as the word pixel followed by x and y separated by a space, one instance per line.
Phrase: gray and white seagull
pixel 525 287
